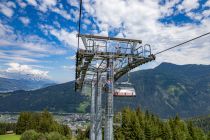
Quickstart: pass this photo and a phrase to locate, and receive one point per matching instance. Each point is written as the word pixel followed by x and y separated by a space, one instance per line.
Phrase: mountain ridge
pixel 9 84
pixel 166 90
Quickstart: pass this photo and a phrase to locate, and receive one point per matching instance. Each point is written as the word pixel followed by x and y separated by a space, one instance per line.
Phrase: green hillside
pixel 166 90
pixel 58 98
pixel 170 89
pixel 7 85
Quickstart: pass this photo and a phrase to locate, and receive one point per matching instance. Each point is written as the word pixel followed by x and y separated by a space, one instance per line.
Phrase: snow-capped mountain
pixel 20 81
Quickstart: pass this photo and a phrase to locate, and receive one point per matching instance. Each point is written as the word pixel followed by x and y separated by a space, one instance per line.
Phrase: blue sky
pixel 38 37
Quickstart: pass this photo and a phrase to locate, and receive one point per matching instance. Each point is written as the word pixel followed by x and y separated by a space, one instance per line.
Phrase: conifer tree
pixel 208 136
pixel 23 122
pixel 126 123
pixel 137 132
pixel 46 123
pixel 137 125
pixel 191 131
pixel 148 132
pixel 165 131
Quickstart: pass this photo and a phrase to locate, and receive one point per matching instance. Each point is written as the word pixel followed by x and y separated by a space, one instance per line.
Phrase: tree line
pixel 136 125
pixel 202 122
pixel 40 124
pixel 5 127
pixel 129 125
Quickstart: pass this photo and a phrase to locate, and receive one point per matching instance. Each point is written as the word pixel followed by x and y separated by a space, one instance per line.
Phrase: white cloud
pixel 63 13
pixel 24 20
pixel 15 57
pixel 23 53
pixel 207 4
pixel 72 67
pixel 45 5
pixel 71 57
pixel 50 2
pixel 26 48
pixel 195 16
pixel 74 3
pixel 21 3
pixel 206 13
pixel 11 4
pixel 5 30
pixel 68 38
pixel 87 21
pixel 131 13
pixel 32 2
pixel 18 71
pixel 6 9
pixel 56 24
pixel 75 15
pixel 18 68
pixel 34 44
pixel 140 20
pixel 187 55
pixel 168 8
pixel 188 5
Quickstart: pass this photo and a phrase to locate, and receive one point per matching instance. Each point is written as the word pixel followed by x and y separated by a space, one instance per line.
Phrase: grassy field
pixel 15 137
pixel 10 137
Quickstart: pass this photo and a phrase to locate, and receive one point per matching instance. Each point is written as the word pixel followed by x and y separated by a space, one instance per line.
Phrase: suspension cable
pixel 79 22
pixel 183 43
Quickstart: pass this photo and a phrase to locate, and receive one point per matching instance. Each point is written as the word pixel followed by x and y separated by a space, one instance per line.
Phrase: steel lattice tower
pixel 101 62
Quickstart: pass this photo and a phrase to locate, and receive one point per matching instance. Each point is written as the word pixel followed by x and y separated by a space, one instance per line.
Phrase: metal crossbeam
pixel 103 61
pixel 109 38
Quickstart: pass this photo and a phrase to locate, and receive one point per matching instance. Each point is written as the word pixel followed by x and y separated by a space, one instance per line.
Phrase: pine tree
pixel 126 123
pixel 191 131
pixel 139 126
pixel 46 123
pixel 118 135
pixel 165 131
pixel 148 132
pixel 35 120
pixel 199 134
pixel 208 136
pixel 23 122
pixel 140 116
pixel 137 132
pixel 2 128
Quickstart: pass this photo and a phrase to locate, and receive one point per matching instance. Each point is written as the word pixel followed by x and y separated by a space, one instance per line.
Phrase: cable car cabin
pixel 124 89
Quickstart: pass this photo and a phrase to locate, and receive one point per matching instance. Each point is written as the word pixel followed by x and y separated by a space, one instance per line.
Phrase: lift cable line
pixel 79 22
pixel 182 43
pixel 99 64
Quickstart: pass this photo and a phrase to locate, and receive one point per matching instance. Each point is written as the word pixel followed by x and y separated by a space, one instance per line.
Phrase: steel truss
pixel 101 62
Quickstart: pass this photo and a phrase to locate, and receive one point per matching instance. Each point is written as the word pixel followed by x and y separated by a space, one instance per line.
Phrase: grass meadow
pixel 10 137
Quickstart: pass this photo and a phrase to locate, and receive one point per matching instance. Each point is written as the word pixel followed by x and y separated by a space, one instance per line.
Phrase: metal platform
pixel 86 59
pixel 103 61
